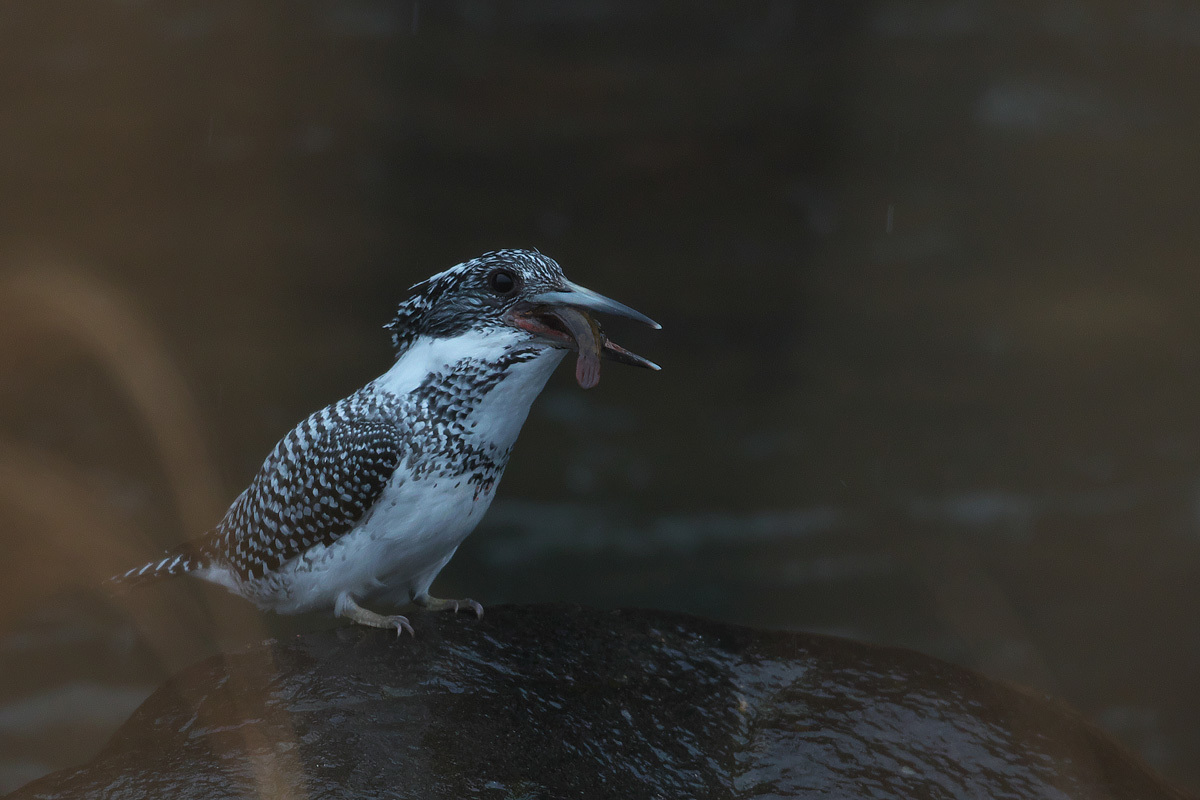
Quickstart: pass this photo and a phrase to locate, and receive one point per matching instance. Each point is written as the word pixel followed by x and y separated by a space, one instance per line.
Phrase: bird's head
pixel 518 292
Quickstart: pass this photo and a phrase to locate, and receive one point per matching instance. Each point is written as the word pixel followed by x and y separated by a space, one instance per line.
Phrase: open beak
pixel 563 317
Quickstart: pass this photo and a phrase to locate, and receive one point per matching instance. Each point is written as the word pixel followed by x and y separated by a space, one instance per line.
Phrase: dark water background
pixel 927 272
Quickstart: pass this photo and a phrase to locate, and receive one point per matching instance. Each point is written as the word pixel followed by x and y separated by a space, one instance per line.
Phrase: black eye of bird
pixel 502 281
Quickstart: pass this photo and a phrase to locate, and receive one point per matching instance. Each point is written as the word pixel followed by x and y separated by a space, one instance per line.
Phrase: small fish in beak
pixel 563 318
pixel 589 340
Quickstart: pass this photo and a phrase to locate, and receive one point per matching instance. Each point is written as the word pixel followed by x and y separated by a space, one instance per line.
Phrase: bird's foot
pixel 346 607
pixel 438 604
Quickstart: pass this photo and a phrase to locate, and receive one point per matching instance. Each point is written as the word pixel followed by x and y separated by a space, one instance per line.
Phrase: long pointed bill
pixel 563 317
pixel 580 297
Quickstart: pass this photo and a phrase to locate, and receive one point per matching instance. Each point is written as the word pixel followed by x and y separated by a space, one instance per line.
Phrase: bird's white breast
pixel 395 551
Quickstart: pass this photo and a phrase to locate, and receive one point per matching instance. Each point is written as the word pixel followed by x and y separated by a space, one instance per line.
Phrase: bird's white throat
pixel 497 418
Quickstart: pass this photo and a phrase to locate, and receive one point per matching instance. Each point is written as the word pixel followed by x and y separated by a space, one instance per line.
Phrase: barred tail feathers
pixel 187 557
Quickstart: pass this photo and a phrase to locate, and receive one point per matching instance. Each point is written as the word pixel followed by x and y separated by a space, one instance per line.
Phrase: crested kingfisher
pixel 370 497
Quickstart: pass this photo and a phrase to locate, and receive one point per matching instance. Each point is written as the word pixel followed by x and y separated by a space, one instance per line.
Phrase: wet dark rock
pixel 567 702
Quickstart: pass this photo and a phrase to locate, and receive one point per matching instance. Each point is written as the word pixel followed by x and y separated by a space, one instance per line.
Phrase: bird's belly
pixel 412 530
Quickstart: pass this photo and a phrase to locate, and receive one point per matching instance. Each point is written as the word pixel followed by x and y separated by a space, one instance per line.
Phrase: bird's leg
pixel 437 604
pixel 346 607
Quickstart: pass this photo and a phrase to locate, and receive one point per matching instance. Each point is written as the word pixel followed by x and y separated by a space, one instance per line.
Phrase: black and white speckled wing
pixel 316 485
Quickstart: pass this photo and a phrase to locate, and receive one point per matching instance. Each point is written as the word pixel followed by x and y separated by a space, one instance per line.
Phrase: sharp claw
pixel 474 606
pixel 346 607
pixel 436 604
